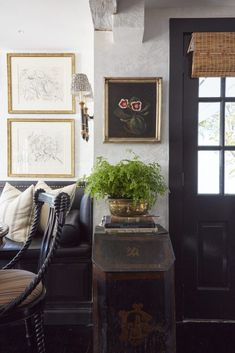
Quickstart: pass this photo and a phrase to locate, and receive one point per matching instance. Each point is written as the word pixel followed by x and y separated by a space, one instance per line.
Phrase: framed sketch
pixel 132 109
pixel 40 83
pixel 40 147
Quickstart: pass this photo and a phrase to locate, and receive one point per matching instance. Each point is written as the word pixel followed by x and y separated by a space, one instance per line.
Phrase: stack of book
pixel 146 223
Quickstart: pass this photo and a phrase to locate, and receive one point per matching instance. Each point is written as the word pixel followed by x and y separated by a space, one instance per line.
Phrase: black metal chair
pixel 22 292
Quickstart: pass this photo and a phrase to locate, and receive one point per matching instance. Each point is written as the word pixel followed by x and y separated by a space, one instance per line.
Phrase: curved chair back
pixel 58 207
pixel 22 292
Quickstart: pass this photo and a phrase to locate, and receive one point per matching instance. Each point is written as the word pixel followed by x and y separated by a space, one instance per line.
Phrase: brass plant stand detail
pixel 127 207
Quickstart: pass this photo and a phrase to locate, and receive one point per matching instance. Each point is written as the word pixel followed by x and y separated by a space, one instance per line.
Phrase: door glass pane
pixel 230 87
pixel 208 124
pixel 229 172
pixel 208 172
pixel 230 124
pixel 209 87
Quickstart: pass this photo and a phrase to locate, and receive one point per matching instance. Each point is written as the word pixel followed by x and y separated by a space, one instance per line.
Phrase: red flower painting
pixel 133 114
pixel 123 104
pixel 136 106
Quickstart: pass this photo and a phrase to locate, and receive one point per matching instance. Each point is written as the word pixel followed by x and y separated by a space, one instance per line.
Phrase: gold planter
pixel 127 208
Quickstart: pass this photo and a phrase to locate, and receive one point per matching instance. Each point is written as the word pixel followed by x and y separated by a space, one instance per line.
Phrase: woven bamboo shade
pixel 213 54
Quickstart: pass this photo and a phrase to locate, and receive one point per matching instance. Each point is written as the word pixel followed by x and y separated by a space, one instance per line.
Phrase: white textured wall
pixel 133 58
pixel 47 26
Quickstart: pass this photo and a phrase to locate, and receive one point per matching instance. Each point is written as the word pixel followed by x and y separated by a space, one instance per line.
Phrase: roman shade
pixel 213 54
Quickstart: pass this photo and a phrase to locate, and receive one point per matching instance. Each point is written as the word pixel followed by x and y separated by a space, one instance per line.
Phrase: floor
pixel 207 337
pixel 190 338
pixel 59 339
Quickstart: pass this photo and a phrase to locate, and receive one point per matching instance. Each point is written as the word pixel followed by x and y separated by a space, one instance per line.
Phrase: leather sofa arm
pixel 71 233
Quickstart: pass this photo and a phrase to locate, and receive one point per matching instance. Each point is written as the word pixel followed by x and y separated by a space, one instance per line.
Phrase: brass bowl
pixel 127 208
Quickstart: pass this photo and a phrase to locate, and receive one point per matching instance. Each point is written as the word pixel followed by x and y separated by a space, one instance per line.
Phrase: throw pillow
pixel 16 210
pixel 69 189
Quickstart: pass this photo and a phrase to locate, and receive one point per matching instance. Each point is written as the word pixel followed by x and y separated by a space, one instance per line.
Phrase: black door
pixel 208 196
pixel 202 181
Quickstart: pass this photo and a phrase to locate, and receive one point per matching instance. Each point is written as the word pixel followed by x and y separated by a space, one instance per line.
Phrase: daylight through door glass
pixel 216 135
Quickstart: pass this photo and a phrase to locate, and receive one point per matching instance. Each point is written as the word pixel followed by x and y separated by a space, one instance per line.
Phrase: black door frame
pixel 179 27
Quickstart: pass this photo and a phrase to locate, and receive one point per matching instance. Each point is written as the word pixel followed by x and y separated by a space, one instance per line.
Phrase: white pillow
pixel 69 189
pixel 16 210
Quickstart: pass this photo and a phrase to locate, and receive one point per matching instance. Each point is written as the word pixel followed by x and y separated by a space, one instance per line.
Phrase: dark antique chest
pixel 133 283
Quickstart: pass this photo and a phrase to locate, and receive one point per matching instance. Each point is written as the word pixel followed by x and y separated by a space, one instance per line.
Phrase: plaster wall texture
pixel 133 58
pixel 47 27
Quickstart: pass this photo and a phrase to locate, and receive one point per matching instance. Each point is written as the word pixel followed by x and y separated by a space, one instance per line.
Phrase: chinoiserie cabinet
pixel 133 292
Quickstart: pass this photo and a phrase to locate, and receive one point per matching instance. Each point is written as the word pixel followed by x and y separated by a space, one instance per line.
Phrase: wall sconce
pixel 81 88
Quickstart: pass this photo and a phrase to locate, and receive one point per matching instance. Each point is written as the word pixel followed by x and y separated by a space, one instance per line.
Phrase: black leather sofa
pixel 69 279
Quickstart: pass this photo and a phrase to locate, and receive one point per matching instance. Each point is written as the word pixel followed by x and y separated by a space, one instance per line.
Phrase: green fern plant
pixel 128 179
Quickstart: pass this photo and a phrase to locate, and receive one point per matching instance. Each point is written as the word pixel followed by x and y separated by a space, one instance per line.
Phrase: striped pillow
pixel 16 210
pixel 69 189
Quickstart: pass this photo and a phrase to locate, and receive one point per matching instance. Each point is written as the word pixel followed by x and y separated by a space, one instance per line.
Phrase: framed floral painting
pixel 132 109
pixel 40 147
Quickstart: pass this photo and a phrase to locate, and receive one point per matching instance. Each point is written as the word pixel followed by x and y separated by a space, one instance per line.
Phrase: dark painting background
pixel 146 92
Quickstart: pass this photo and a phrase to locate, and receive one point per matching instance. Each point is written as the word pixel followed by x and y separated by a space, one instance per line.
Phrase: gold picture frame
pixel 40 147
pixel 40 83
pixel 132 109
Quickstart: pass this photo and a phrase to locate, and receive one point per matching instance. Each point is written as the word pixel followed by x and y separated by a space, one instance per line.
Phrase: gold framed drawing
pixel 40 83
pixel 132 109
pixel 40 147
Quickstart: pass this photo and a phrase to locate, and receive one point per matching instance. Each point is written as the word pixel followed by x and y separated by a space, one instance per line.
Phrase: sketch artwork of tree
pixel 44 148
pixel 44 84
